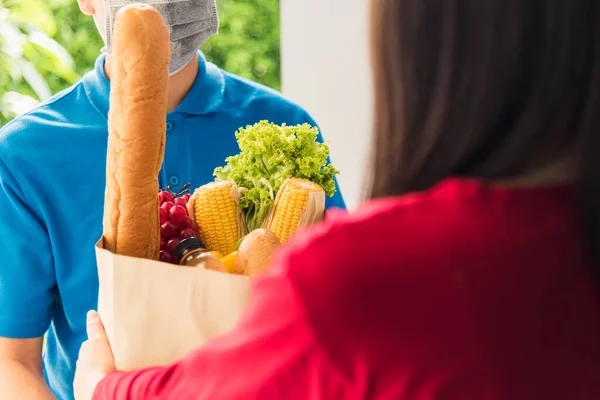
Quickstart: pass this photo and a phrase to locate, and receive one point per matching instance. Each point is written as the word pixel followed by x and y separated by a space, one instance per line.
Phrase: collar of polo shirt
pixel 205 96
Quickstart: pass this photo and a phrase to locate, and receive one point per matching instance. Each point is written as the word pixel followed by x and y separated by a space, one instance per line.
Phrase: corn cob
pixel 298 204
pixel 191 205
pixel 218 215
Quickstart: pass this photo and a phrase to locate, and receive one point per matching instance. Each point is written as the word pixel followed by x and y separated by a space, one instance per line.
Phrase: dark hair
pixel 486 89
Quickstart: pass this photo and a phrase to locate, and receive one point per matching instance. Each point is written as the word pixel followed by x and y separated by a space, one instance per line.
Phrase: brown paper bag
pixel 155 313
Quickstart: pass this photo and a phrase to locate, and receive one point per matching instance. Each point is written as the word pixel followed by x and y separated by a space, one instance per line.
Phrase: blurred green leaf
pixel 35 80
pixel 248 43
pixel 33 65
pixel 36 13
pixel 14 104
pixel 50 57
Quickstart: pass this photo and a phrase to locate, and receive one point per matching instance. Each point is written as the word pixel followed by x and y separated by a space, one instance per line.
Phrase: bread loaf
pixel 137 132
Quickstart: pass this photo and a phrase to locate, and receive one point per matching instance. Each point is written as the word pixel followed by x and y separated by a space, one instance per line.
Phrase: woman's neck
pixel 179 84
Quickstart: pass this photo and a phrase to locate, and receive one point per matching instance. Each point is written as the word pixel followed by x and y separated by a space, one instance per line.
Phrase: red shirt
pixel 461 292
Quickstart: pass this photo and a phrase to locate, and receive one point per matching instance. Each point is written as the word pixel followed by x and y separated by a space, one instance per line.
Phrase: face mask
pixel 190 24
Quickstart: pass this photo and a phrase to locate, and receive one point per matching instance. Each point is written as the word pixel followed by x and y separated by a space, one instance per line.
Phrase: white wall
pixel 325 67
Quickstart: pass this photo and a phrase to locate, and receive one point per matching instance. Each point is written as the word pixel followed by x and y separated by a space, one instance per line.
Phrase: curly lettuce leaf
pixel 275 153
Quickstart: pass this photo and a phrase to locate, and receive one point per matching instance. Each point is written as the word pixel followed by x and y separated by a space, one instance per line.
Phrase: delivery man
pixel 52 179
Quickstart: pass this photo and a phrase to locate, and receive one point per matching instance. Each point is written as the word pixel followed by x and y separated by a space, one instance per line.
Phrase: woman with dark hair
pixel 474 270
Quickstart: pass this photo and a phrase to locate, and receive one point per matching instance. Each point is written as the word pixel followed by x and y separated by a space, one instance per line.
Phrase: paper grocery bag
pixel 155 313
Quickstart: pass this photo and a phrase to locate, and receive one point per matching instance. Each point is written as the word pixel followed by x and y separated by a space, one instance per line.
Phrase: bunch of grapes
pixel 175 223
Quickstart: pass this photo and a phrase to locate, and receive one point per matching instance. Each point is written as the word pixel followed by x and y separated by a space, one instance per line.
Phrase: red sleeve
pixel 273 353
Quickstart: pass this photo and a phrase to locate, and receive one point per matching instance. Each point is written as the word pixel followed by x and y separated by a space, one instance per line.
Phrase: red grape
pixel 180 201
pixel 165 256
pixel 172 244
pixel 164 215
pixel 167 206
pixel 187 223
pixel 168 230
pixel 177 214
pixel 164 197
pixel 175 225
pixel 187 233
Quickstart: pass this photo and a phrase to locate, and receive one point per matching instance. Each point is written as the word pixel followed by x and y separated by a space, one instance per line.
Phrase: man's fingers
pixel 95 329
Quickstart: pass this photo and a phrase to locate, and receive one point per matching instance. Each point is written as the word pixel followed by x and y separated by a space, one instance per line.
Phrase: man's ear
pixel 87 7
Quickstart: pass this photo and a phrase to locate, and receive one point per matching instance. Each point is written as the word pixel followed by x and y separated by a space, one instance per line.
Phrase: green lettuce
pixel 270 154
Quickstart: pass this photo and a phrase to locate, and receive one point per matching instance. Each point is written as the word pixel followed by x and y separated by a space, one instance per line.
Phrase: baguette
pixel 137 132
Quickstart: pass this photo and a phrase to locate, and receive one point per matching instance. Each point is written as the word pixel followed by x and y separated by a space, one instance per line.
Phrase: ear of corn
pixel 298 204
pixel 218 215
pixel 191 205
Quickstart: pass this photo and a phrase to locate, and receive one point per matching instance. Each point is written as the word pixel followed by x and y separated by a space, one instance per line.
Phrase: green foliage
pixel 77 33
pixel 248 40
pixel 31 61
pixel 47 45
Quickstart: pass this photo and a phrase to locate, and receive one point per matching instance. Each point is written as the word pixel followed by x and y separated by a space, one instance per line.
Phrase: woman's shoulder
pixel 377 236
pixel 422 238
pixel 379 220
pixel 410 224
pixel 411 279
pixel 351 272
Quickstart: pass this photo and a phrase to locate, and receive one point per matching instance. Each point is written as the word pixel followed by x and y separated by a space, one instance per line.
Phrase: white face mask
pixel 190 24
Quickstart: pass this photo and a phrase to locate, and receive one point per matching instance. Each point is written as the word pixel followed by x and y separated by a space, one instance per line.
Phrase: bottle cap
pixel 187 245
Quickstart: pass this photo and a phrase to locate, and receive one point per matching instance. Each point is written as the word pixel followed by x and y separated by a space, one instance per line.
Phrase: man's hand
pixel 96 359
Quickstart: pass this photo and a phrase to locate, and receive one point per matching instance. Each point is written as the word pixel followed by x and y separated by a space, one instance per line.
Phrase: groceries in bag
pixel 277 184
pixel 153 313
pixel 175 269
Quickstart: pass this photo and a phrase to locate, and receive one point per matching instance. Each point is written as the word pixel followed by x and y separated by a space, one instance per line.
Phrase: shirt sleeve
pixel 27 274
pixel 272 354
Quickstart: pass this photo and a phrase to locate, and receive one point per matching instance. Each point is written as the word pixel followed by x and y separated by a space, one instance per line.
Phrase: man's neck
pixel 179 84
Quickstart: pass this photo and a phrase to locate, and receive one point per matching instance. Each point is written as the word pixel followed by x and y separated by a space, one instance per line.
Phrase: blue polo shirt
pixel 52 177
